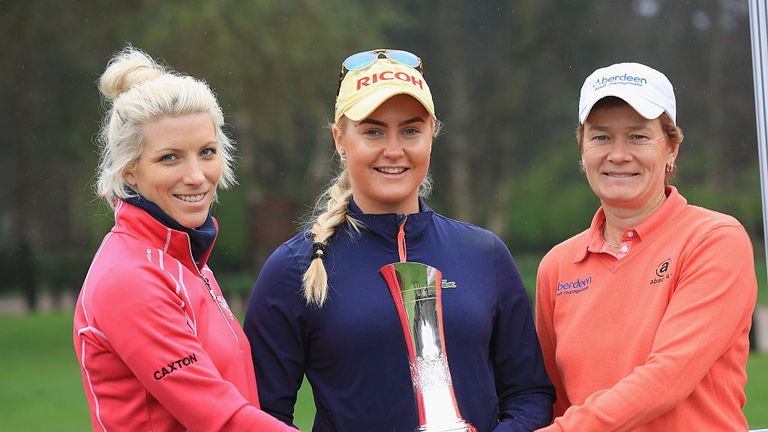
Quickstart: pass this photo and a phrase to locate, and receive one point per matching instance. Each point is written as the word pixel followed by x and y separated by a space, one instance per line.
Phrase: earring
pixel 343 156
pixel 670 167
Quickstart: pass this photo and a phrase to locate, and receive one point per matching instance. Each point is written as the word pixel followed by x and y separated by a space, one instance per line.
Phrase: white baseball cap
pixel 647 90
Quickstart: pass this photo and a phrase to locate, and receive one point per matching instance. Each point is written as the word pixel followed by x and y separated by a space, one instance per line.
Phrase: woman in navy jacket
pixel 320 306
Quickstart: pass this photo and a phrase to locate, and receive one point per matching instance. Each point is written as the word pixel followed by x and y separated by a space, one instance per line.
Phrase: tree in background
pixel 505 76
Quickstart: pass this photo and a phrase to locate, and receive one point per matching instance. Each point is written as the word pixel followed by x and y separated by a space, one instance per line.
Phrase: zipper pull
pixel 210 290
pixel 219 300
pixel 401 249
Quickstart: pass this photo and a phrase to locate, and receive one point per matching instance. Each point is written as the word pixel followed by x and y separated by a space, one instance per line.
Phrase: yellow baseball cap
pixel 362 91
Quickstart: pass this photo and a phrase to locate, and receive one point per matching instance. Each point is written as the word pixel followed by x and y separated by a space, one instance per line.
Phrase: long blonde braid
pixel 334 200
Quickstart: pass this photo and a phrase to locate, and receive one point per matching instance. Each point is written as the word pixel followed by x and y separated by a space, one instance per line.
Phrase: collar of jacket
pixel 200 238
pixel 135 222
pixel 386 226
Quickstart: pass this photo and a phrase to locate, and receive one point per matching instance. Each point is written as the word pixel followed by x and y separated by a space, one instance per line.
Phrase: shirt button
pixel 631 234
pixel 624 248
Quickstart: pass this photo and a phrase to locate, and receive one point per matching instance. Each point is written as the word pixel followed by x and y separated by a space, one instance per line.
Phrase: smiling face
pixel 179 167
pixel 624 157
pixel 387 155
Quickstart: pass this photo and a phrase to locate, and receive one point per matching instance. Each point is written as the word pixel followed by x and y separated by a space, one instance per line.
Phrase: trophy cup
pixel 416 290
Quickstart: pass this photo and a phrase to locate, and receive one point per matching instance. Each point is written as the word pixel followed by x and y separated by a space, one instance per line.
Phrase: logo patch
pixel 619 79
pixel 577 286
pixel 389 76
pixel 224 306
pixel 174 366
pixel 662 272
pixel 448 284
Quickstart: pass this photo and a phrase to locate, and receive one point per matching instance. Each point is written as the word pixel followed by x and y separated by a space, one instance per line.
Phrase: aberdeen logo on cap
pixel 619 79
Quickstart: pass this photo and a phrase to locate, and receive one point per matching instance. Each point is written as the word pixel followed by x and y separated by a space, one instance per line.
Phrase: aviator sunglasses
pixel 364 59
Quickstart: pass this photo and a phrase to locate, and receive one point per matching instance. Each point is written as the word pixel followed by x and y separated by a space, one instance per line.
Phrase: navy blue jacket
pixel 353 351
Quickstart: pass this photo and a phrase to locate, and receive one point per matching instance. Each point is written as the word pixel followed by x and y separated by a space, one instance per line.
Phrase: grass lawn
pixel 40 386
pixel 41 389
pixel 756 409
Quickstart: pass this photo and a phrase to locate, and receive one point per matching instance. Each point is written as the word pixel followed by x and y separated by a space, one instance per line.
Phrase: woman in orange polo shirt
pixel 644 317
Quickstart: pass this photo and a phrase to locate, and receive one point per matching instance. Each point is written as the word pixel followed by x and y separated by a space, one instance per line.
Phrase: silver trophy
pixel 416 290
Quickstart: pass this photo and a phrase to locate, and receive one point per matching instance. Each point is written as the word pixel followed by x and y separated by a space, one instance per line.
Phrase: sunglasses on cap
pixel 364 59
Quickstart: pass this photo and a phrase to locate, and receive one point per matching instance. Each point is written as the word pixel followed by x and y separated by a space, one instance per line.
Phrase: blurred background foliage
pixel 505 76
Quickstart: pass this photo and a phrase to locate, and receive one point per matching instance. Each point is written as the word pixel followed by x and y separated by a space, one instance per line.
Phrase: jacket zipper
pixel 212 292
pixel 218 304
pixel 401 248
pixel 208 284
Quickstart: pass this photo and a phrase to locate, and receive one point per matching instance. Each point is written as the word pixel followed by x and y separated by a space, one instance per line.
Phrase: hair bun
pixel 127 69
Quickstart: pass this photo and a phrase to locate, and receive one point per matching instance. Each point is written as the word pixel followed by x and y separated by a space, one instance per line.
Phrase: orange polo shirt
pixel 656 339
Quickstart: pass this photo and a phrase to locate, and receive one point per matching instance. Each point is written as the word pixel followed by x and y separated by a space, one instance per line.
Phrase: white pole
pixel 758 24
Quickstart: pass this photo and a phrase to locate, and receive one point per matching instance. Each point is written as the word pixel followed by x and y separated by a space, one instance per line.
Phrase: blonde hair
pixel 139 91
pixel 330 212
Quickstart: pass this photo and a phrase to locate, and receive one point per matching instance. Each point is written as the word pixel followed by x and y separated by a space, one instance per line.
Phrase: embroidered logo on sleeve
pixel 174 366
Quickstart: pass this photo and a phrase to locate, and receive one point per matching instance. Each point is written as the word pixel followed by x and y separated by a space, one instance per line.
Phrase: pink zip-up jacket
pixel 158 347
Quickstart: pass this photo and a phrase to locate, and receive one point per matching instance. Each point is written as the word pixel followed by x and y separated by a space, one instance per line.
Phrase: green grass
pixel 760 271
pixel 756 409
pixel 41 389
pixel 40 386
pixel 304 415
pixel 528 264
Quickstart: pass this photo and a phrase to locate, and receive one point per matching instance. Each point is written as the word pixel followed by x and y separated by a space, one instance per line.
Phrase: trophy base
pixel 456 427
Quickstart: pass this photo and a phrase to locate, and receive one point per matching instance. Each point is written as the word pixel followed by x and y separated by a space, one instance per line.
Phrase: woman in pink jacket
pixel 159 348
